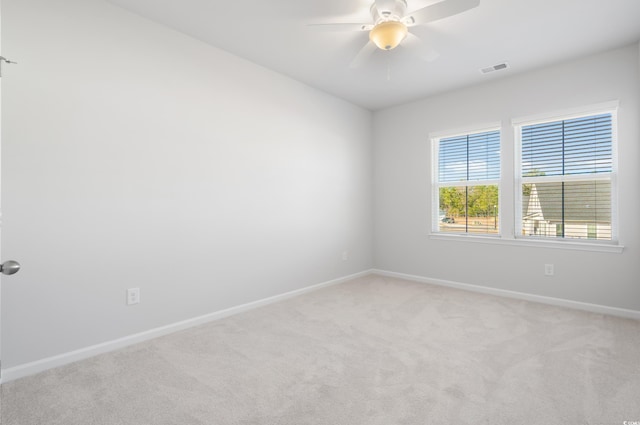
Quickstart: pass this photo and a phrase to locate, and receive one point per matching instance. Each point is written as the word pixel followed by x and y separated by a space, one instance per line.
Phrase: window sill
pixel 536 243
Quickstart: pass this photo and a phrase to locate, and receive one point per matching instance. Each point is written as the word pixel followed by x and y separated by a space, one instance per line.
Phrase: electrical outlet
pixel 133 296
pixel 548 269
pixel 345 255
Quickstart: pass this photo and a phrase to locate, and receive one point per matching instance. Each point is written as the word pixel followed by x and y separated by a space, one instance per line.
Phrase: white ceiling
pixel 525 33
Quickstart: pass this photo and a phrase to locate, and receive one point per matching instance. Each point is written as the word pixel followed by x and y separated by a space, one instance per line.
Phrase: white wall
pixel 134 156
pixel 402 184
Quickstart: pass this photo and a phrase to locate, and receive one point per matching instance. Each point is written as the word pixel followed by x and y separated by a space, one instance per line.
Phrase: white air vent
pixel 498 67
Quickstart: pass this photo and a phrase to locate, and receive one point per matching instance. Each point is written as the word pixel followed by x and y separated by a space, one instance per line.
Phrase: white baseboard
pixel 32 368
pixel 594 308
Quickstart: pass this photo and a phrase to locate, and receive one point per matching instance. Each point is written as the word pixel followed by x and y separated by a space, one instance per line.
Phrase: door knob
pixel 9 267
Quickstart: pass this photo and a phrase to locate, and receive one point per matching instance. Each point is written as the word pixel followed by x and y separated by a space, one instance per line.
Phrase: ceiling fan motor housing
pixel 388 10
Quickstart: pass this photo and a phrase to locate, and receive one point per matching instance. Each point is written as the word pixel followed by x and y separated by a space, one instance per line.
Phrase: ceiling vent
pixel 498 67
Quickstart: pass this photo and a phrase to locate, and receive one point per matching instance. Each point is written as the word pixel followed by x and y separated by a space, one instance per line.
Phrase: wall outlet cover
pixel 548 269
pixel 133 296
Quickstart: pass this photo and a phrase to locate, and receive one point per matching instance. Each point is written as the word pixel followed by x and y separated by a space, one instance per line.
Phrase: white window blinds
pixel 471 157
pixel 576 146
pixel 566 185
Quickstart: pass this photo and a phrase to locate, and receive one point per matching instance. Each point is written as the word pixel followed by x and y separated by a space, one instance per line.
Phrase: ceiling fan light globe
pixel 388 35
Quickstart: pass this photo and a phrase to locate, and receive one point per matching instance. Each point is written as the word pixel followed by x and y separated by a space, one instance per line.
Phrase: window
pixel 467 182
pixel 565 178
pixel 553 187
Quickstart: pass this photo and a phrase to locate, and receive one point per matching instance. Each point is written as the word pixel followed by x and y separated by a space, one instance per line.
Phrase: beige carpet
pixel 371 351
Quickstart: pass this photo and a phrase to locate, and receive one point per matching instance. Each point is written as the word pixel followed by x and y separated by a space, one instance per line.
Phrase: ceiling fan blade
pixel 439 10
pixel 420 48
pixel 341 27
pixel 363 55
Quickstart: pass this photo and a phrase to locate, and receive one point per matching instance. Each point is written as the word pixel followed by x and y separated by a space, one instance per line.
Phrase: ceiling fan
pixel 391 23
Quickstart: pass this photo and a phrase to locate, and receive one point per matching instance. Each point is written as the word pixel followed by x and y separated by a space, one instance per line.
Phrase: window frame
pixel 517 125
pixel 509 214
pixel 435 139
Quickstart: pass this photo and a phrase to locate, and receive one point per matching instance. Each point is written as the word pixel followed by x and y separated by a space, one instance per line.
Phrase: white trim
pixel 594 308
pixel 37 366
pixel 567 114
pixel 529 242
pixel 468 130
pixel 471 183
pixel 516 203
pixel 435 171
pixel 567 178
pixel 614 177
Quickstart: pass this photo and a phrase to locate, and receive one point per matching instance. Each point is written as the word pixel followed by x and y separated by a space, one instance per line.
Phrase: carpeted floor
pixel 371 351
